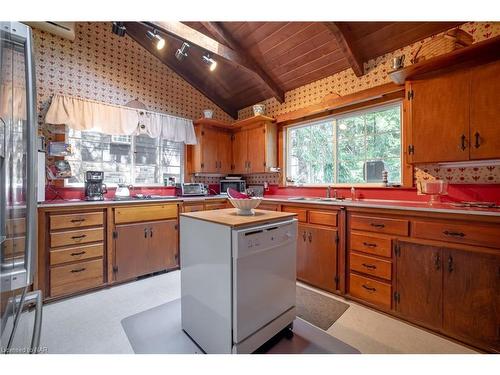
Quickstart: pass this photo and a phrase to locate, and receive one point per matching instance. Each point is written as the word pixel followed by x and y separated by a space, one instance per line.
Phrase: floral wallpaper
pixel 102 66
pixel 345 82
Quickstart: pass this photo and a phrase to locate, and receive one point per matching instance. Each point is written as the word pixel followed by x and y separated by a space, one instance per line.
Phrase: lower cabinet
pixel 453 291
pixel 145 247
pixel 317 256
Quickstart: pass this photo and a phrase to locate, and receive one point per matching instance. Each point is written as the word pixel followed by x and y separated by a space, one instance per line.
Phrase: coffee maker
pixel 94 188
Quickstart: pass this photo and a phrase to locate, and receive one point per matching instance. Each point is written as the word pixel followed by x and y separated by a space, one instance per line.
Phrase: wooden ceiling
pixel 260 60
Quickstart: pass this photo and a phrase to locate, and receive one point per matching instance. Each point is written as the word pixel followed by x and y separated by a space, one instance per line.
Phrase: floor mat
pixel 158 331
pixel 318 309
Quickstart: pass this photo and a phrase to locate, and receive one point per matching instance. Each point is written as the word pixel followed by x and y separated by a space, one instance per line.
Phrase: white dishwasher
pixel 237 284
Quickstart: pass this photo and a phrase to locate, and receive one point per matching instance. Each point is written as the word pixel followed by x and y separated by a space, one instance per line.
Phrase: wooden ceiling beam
pixel 233 55
pixel 342 34
pixel 218 31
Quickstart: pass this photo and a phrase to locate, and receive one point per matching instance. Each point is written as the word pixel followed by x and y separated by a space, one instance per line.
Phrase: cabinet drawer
pixel 215 205
pixel 371 244
pixel 76 277
pixel 145 213
pixel 328 218
pixel 193 208
pixel 380 225
pixel 269 206
pixel 71 254
pixel 470 234
pixel 370 290
pixel 15 227
pixel 75 237
pixel 86 219
pixel 371 266
pixel 301 212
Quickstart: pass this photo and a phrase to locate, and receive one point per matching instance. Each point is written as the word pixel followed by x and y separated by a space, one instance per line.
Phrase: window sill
pixel 345 186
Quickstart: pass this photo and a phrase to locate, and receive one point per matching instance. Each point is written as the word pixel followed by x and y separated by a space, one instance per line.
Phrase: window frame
pixel 133 164
pixel 336 116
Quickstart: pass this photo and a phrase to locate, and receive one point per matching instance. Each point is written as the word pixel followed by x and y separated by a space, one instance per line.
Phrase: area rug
pixel 318 309
pixel 158 331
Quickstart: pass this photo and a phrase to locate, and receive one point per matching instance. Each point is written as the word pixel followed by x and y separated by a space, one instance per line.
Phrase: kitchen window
pixel 137 160
pixel 350 149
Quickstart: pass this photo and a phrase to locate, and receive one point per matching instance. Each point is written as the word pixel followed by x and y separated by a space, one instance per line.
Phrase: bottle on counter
pixel 353 193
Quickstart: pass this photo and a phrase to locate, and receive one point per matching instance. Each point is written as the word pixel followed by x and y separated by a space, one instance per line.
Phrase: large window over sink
pixel 352 149
pixel 137 160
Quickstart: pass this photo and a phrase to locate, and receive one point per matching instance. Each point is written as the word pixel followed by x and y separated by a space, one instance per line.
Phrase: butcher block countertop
pixel 229 217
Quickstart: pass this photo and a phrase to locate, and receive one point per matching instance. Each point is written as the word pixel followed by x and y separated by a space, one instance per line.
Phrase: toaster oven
pixel 190 189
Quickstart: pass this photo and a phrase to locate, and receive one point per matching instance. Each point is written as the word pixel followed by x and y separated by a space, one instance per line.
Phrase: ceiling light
pixel 118 28
pixel 182 52
pixel 156 38
pixel 209 61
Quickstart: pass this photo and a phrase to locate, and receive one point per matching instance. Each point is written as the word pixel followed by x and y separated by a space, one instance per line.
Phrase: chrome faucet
pixel 328 191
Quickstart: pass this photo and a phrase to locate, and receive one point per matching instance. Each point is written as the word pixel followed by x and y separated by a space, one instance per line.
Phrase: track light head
pixel 181 53
pixel 210 62
pixel 118 28
pixel 156 38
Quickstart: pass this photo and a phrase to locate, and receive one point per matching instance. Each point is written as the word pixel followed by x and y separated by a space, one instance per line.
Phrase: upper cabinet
pixel 254 145
pixel 454 117
pixel 247 146
pixel 212 154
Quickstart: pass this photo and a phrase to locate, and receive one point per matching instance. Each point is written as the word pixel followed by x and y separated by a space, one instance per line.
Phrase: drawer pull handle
pixel 77 220
pixel 79 253
pixel 369 244
pixel 369 266
pixel 79 237
pixel 369 288
pixel 377 225
pixel 78 270
pixel 454 234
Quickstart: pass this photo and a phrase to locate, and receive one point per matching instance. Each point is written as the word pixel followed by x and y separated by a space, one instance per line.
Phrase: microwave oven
pixel 238 185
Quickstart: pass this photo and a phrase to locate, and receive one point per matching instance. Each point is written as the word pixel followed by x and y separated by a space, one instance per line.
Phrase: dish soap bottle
pixel 353 193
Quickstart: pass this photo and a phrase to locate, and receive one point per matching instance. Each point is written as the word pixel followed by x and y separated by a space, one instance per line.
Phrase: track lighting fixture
pixel 118 28
pixel 209 61
pixel 156 38
pixel 181 53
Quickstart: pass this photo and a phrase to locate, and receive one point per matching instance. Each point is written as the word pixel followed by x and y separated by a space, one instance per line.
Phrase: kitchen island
pixel 237 277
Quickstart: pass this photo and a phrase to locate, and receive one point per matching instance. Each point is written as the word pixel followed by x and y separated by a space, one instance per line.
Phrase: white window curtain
pixel 83 114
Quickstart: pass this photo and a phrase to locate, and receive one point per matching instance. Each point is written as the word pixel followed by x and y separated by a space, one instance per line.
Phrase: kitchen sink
pixel 316 199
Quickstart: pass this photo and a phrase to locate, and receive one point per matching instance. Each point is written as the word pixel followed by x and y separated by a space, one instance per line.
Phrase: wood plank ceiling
pixel 260 60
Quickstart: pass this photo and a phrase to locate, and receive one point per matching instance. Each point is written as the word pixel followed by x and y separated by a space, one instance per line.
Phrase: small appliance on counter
pixel 123 191
pixel 190 189
pixel 94 188
pixel 236 184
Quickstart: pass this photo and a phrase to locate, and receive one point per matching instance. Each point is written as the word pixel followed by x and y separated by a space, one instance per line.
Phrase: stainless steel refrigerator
pixel 21 306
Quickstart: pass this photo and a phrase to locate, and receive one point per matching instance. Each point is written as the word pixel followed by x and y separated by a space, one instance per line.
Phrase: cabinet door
pixel 485 112
pixel 240 147
pixel 419 283
pixel 321 257
pixel 131 247
pixel 224 152
pixel 440 118
pixel 257 149
pixel 163 250
pixel 209 147
pixel 302 253
pixel 472 297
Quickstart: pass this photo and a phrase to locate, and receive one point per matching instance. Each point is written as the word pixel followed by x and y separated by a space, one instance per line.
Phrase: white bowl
pixel 245 206
pixel 259 109
pixel 208 113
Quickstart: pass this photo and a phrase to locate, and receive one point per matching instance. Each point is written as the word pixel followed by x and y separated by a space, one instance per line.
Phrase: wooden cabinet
pixel 418 295
pixel 484 131
pixel 454 117
pixel 146 247
pixel 453 291
pixel 471 300
pixel 255 147
pixel 212 154
pixel 317 256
